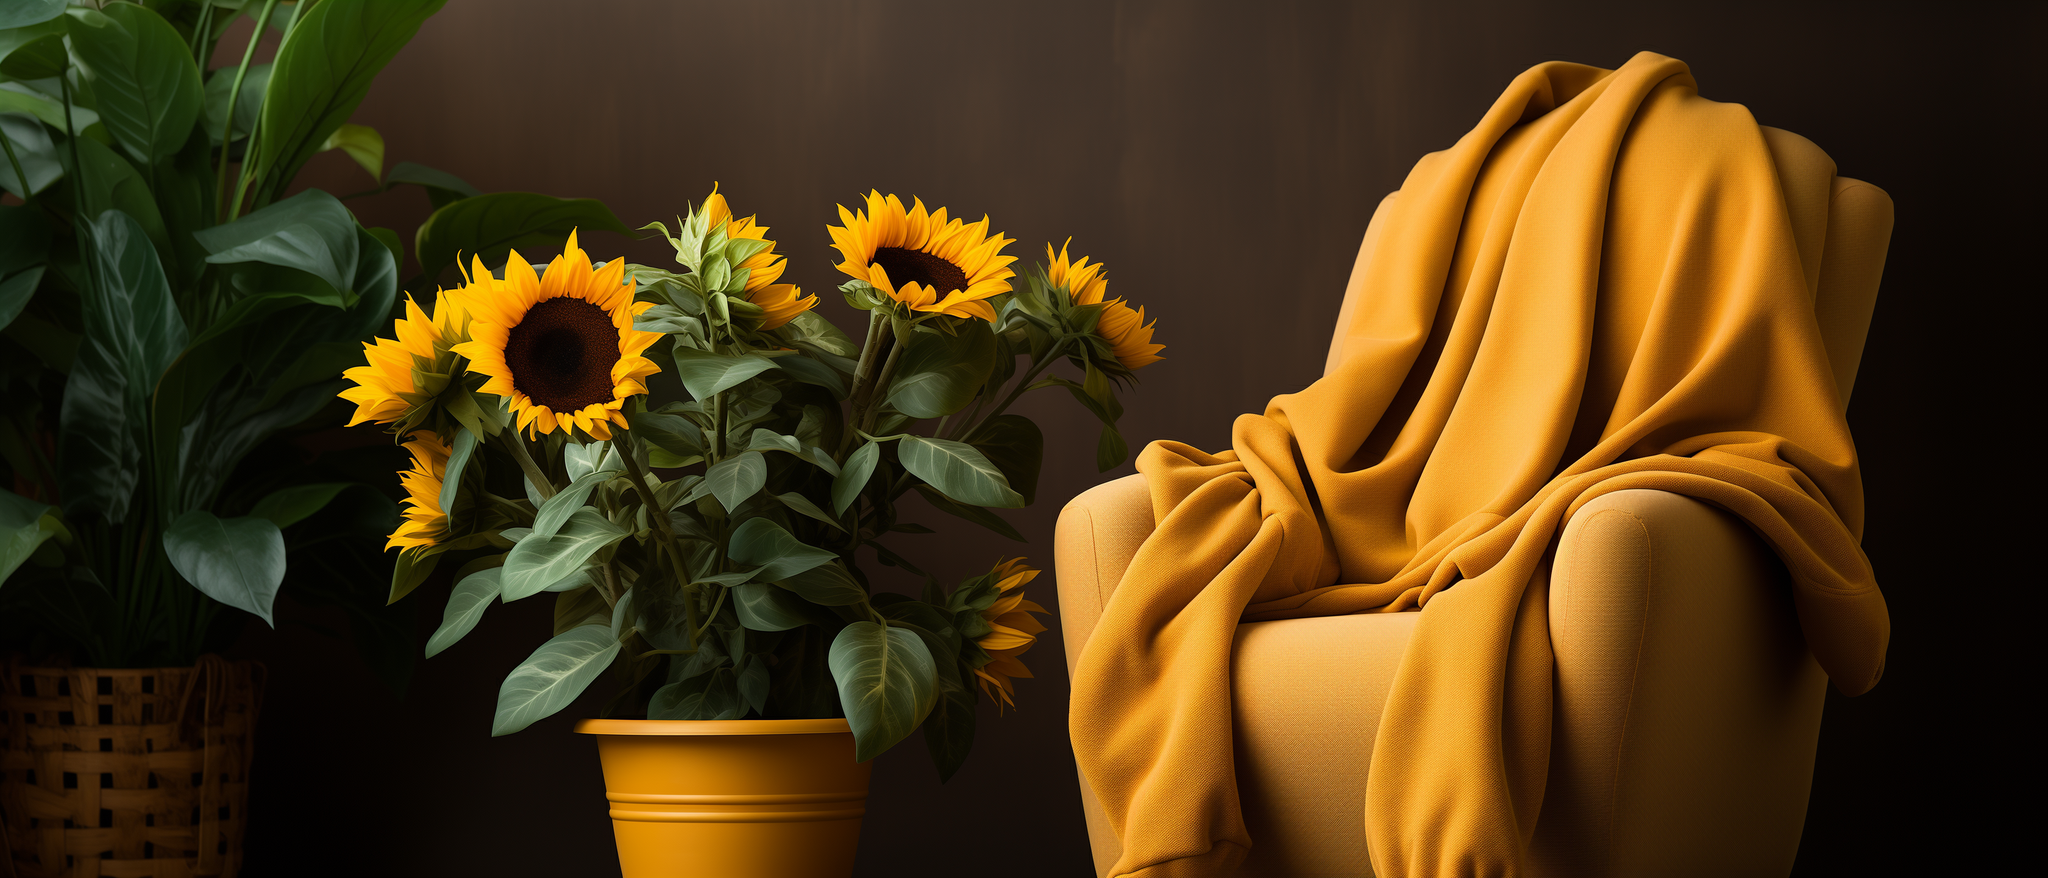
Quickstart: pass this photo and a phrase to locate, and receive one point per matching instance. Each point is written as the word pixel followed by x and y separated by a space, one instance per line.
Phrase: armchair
pixel 1687 708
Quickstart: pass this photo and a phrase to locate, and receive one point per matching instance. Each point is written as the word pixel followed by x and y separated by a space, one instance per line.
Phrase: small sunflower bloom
pixel 425 523
pixel 921 259
pixel 404 376
pixel 780 303
pixel 559 347
pixel 1013 630
pixel 1121 325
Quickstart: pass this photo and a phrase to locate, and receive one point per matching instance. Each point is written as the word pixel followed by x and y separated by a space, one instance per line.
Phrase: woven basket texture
pixel 125 773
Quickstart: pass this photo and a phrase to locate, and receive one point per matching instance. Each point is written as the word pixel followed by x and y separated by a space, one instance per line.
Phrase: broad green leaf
pixel 758 541
pixel 248 103
pixel 466 607
pixel 34 150
pixel 670 320
pixel 859 467
pixel 554 675
pixel 827 585
pixel 763 607
pixel 133 332
pixel 18 98
pixel 736 577
pixel 237 561
pixel 623 616
pixel 412 568
pixel 538 562
pixel 288 506
pixel 755 684
pixel 15 292
pixel 144 82
pixel 939 374
pixel 886 683
pixel 1110 449
pixel 442 187
pixel 109 182
pixel 310 231
pixel 582 460
pixel 1014 444
pixel 558 508
pixel 459 453
pixel 958 471
pixel 975 514
pixel 811 371
pixel 736 478
pixel 803 506
pixel 705 373
pixel 674 433
pixel 362 143
pixel 42 57
pixel 769 440
pixel 22 13
pixel 949 730
pixel 321 73
pixel 494 225
pixel 708 696
pixel 813 329
pixel 24 526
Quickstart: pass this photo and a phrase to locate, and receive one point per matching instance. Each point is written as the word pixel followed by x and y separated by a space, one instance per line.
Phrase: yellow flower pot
pixel 752 798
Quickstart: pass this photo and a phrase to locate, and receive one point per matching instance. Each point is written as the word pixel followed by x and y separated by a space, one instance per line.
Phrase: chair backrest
pixel 1843 233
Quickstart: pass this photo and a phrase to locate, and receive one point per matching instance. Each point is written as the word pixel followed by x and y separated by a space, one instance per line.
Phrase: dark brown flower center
pixel 562 353
pixel 905 266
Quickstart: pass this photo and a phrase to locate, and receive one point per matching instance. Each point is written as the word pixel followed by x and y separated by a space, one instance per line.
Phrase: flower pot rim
pixel 836 725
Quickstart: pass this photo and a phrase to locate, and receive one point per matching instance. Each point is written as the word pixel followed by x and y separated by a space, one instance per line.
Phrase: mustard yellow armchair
pixel 1687 706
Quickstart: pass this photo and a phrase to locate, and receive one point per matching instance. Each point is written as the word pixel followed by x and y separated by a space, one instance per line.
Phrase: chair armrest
pixel 1688 708
pixel 1098 534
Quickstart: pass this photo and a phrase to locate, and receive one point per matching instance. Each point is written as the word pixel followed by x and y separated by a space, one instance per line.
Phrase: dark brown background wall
pixel 1223 157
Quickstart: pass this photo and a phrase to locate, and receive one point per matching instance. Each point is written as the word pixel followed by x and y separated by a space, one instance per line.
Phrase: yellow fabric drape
pixel 1596 289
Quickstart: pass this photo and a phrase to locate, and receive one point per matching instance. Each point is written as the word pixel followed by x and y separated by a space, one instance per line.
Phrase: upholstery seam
pixel 1635 676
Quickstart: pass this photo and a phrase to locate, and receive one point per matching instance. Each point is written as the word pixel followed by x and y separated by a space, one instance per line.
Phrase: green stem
pixel 1023 384
pixel 227 132
pixel 517 446
pixel 880 332
pixel 867 422
pixel 28 194
pixel 658 516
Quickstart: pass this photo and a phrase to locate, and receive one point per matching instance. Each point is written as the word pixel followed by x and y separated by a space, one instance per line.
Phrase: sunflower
pixel 560 348
pixel 1123 327
pixel 405 375
pixel 1014 630
pixel 780 303
pixel 922 259
pixel 426 523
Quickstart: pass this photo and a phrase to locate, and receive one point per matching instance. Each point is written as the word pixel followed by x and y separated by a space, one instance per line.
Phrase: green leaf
pixel 554 675
pixel 237 561
pixel 24 525
pixel 708 696
pixel 310 231
pixel 538 562
pixel 827 585
pixel 736 478
pixel 705 373
pixel 466 607
pixel 759 541
pixel 939 374
pixel 459 453
pixel 958 471
pixel 813 329
pixel 248 103
pixel 949 730
pixel 109 182
pixel 675 434
pixel 860 466
pixel 442 187
pixel 1110 449
pixel 15 292
pixel 1014 444
pixel 36 152
pixel 362 143
pixel 763 607
pixel 320 75
pixel 288 506
pixel 413 567
pixel 144 82
pixel 493 225
pixel 811 371
pixel 886 684
pixel 974 514
pixel 803 506
pixel 551 515
pixel 132 334
pixel 22 13
pixel 40 58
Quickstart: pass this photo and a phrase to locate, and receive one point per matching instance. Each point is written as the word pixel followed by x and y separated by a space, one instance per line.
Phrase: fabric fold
pixel 1596 289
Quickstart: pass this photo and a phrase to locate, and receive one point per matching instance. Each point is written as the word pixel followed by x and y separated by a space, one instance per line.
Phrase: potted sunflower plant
pixel 709 553
pixel 174 322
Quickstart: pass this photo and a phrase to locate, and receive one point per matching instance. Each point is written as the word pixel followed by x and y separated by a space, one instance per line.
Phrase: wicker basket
pixel 125 773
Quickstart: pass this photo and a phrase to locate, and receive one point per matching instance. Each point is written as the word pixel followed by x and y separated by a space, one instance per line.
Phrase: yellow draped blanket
pixel 1596 289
